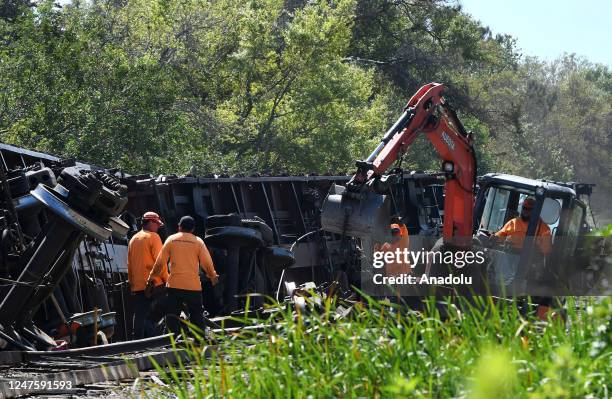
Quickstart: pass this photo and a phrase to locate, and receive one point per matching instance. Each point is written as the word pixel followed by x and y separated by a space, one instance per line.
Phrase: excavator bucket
pixel 362 215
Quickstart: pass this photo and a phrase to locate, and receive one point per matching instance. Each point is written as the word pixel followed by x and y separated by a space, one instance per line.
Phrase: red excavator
pixel 360 210
pixel 473 207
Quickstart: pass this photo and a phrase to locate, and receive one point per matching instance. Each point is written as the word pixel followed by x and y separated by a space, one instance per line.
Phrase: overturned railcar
pixel 66 225
pixel 52 212
pixel 287 208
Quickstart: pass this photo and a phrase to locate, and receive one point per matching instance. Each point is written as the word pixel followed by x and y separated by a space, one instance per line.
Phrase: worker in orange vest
pixel 516 229
pixel 401 241
pixel 143 249
pixel 186 254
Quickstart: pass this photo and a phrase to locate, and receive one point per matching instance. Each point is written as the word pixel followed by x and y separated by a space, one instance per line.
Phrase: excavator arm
pixel 425 114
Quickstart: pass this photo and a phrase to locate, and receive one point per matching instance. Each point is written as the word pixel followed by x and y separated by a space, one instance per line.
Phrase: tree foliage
pixel 286 86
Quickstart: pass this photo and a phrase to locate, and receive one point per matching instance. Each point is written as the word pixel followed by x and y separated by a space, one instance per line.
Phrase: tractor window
pixel 573 228
pixel 550 213
pixel 494 214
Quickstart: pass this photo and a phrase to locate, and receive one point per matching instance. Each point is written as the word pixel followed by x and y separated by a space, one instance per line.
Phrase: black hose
pixel 280 282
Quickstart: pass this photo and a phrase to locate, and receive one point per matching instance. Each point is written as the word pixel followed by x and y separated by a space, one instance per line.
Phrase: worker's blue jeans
pixel 142 325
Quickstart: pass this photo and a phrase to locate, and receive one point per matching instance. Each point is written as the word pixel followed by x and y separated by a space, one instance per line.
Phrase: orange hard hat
pixel 153 217
pixel 396 230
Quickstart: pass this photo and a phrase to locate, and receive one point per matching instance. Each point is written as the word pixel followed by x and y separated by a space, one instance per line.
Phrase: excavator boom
pixel 357 211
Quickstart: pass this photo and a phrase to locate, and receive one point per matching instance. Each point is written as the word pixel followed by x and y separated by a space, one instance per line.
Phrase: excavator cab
pixel 531 269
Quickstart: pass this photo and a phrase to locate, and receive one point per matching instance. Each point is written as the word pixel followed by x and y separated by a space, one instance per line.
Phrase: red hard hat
pixel 154 217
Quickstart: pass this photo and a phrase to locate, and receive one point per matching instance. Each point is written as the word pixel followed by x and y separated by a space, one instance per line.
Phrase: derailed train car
pixel 285 212
pixel 49 210
pixel 66 225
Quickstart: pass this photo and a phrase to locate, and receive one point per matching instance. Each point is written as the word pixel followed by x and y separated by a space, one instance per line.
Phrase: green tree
pixel 235 86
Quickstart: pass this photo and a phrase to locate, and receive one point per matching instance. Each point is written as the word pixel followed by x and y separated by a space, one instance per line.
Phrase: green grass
pixel 489 351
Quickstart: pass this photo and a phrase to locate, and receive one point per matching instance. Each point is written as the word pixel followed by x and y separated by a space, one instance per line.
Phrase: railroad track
pixel 76 372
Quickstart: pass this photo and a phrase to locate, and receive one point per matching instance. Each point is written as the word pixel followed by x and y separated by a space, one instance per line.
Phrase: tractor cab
pixel 540 263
